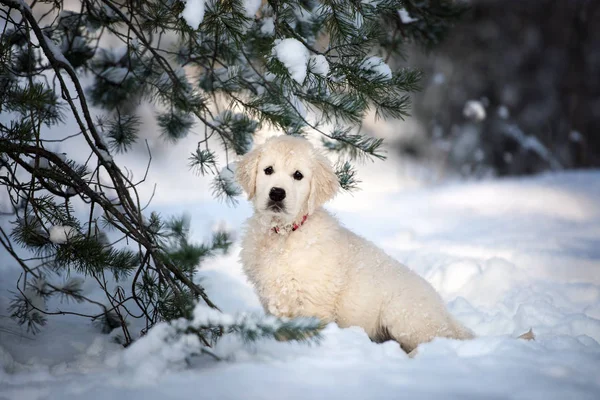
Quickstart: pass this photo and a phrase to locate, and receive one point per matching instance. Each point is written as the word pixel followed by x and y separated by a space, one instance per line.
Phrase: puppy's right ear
pixel 245 172
pixel 324 184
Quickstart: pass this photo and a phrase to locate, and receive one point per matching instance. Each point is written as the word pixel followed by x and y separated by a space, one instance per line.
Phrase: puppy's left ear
pixel 245 172
pixel 324 184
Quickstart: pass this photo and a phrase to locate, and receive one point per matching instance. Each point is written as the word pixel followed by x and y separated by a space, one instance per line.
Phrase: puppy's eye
pixel 268 170
pixel 298 175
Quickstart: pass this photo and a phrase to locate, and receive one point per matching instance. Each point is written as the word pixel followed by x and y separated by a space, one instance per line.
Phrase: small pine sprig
pixel 203 162
pixel 35 98
pixel 122 132
pixel 173 237
pixel 237 130
pixel 174 125
pixel 253 327
pixel 346 174
pixel 225 187
pixel 302 329
pixel 354 146
pixel 184 253
pixel 28 307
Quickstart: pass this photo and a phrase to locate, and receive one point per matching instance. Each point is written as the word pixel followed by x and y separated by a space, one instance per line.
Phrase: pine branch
pixel 228 58
pixel 252 327
pixel 347 176
pixel 355 146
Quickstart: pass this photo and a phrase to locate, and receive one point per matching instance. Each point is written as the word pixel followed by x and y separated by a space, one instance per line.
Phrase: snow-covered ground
pixel 505 255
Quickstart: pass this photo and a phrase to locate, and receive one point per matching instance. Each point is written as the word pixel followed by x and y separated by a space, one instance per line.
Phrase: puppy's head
pixel 286 178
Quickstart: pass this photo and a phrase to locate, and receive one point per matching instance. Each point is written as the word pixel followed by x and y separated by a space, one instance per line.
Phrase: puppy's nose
pixel 277 194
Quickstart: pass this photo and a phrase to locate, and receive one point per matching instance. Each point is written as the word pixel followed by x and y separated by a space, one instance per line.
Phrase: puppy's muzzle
pixel 276 197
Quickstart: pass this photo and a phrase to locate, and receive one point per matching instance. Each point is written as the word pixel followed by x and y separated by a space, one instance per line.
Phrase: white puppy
pixel 303 263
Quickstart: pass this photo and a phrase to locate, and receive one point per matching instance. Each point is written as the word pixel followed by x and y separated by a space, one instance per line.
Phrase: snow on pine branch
pixel 377 68
pixel 405 17
pixel 294 55
pixel 171 344
pixel 318 65
pixel 56 52
pixel 252 327
pixel 224 185
pixel 62 234
pixel 297 58
pixel 251 7
pixel 193 13
pixel 474 110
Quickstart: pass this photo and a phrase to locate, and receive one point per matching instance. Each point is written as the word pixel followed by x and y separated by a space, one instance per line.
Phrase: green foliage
pixel 174 125
pixel 188 255
pixel 353 145
pixel 35 99
pixel 347 176
pixel 203 161
pixel 173 301
pixel 249 327
pixel 122 132
pixel 28 307
pixel 225 188
pixel 239 129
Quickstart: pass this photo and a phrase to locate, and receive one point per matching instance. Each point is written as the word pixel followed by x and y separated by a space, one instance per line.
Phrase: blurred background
pixel 513 89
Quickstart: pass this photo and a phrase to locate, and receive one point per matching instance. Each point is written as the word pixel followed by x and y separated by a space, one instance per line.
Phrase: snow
pixel 105 155
pixel 297 104
pixel 358 20
pixel 439 78
pixel 193 13
pixel 405 16
pixel 115 75
pixel 61 234
pixel 56 52
pixel 251 7
pixel 575 136
pixel 149 358
pixel 7 363
pixel 114 55
pixel 42 162
pixel 318 65
pixel 505 255
pixel 302 14
pixel 227 173
pixel 503 112
pixel 378 67
pixel 77 44
pixel 294 55
pixel 474 110
pixel 268 26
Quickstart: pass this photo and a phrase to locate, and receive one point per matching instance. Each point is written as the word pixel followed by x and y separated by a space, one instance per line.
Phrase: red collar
pixel 294 225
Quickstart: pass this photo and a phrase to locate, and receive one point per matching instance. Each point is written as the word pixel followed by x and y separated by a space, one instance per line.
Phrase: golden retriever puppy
pixel 302 262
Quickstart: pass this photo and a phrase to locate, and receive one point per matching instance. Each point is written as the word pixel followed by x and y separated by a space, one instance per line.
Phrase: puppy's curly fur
pixel 320 268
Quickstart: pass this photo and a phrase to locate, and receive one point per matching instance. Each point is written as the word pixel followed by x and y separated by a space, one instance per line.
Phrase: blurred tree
pixel 532 67
pixel 299 66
